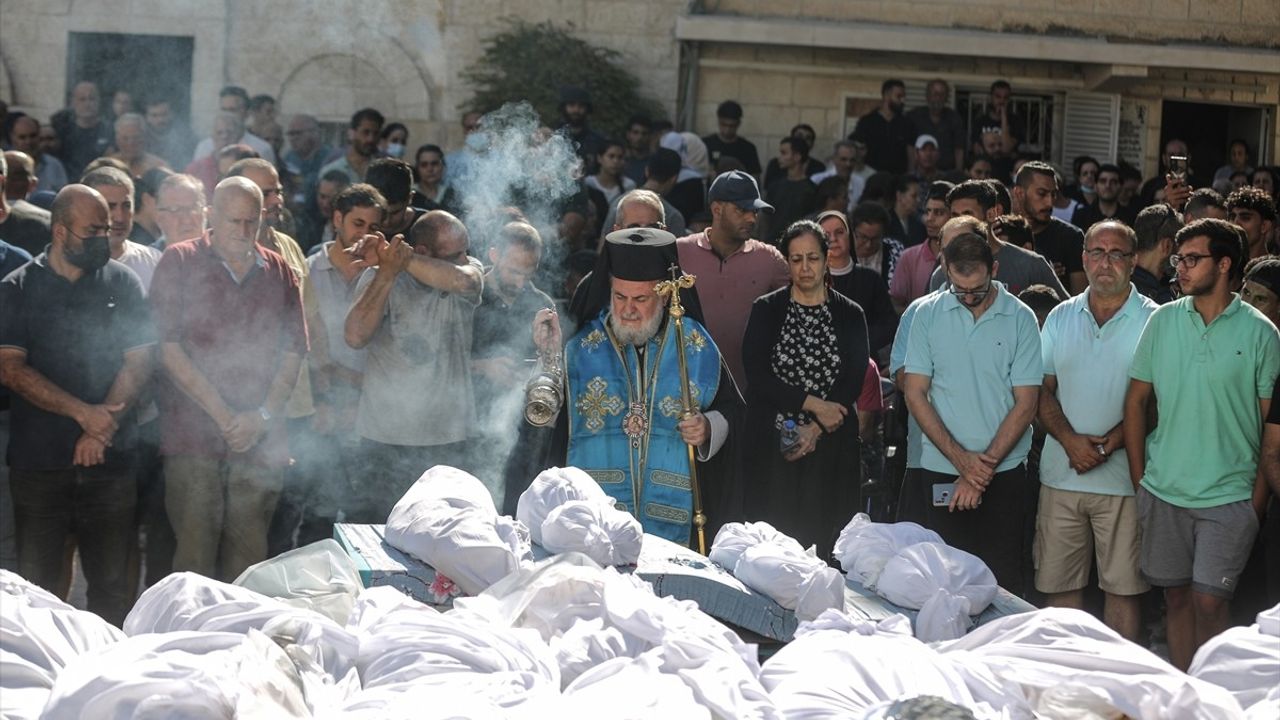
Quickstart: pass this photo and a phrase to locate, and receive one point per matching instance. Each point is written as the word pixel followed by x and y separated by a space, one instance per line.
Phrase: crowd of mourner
pixel 213 349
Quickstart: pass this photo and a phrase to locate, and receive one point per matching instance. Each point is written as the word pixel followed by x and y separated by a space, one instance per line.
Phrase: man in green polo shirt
pixel 1210 361
pixel 973 374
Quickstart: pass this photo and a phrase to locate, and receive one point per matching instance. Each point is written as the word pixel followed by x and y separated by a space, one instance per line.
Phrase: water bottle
pixel 790 436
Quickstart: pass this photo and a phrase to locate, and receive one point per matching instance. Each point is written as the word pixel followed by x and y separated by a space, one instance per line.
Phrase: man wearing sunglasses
pixel 1209 361
pixel 973 374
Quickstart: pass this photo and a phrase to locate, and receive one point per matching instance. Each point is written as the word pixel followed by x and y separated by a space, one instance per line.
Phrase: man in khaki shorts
pixel 1087 501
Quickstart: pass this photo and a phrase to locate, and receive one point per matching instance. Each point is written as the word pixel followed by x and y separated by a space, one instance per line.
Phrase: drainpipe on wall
pixel 687 98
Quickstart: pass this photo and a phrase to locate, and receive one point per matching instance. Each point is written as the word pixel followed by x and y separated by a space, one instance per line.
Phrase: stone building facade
pixel 1106 77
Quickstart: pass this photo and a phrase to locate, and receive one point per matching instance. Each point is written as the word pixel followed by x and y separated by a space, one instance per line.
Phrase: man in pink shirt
pixel 917 263
pixel 732 269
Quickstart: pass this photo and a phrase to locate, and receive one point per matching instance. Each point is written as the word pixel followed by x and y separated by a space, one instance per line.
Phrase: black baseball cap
pixel 738 188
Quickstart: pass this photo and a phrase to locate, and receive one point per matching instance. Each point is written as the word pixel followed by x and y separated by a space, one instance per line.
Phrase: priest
pixel 622 417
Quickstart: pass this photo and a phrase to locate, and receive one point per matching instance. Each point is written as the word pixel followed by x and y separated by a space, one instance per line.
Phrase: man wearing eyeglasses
pixel 1086 506
pixel 179 210
pixel 973 374
pixel 1210 361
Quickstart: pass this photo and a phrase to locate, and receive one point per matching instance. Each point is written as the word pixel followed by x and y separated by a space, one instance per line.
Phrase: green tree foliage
pixel 533 61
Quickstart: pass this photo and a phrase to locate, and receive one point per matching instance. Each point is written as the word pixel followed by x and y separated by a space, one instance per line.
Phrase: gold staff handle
pixel 675 310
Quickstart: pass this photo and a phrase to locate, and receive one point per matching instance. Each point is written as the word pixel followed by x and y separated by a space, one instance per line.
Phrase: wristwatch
pixel 262 412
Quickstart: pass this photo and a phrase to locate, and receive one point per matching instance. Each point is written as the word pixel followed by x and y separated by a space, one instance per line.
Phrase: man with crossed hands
pixel 973 374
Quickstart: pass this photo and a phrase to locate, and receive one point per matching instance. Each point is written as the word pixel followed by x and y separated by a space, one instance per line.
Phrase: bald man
pixel 232 336
pixel 24 136
pixel 414 313
pixel 76 348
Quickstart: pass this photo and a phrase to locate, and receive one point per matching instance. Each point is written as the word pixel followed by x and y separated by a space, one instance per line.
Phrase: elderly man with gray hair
pixel 131 145
pixel 232 336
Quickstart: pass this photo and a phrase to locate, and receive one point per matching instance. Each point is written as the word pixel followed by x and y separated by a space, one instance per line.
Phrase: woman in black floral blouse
pixel 805 352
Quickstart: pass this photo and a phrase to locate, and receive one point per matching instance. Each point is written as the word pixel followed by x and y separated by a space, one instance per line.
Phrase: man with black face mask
pixel 76 347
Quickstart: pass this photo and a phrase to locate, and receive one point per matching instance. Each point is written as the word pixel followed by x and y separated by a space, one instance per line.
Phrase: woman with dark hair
pixel 805 352
pixel 905 225
pixel 393 140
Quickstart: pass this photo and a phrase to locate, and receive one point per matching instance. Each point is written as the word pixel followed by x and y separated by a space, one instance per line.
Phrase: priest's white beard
pixel 635 336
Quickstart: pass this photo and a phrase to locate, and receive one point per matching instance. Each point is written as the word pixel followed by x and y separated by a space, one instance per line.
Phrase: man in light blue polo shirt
pixel 910 507
pixel 1210 362
pixel 1086 505
pixel 973 377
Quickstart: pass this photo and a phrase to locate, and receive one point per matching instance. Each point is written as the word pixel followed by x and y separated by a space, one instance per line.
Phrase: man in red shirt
pixel 232 336
pixel 732 269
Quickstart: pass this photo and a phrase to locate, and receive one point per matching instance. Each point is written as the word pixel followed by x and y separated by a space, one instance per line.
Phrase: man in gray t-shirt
pixel 413 315
pixel 1017 268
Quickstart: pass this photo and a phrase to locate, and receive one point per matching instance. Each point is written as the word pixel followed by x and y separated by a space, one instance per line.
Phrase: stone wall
pixel 1231 22
pixel 328 57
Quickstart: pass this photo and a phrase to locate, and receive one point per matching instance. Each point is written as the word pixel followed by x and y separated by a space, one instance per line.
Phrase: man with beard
pixel 937 119
pixel 575 110
pixel 232 337
pixel 1155 226
pixel 362 145
pixel 732 268
pixel 117 187
pixel 1086 505
pixel 76 348
pixel 338 368
pixel 624 422
pixel 1107 205
pixel 300 405
pixel 886 131
pixel 502 342
pixel 1000 122
pixel 1210 360
pixel 24 136
pixel 973 374
pixel 1061 243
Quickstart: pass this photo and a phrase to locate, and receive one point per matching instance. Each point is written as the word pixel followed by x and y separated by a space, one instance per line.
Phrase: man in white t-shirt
pixel 117 187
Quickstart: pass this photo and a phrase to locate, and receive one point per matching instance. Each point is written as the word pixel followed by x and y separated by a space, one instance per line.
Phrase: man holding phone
pixel 972 382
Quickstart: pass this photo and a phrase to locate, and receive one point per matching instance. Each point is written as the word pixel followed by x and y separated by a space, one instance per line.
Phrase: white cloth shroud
pixel 864 547
pixel 39 636
pixel 447 520
pixel 775 564
pixel 947 585
pixel 1058 653
pixel 838 666
pixel 591 615
pixel 323 652
pixel 180 675
pixel 566 511
pixel 1244 660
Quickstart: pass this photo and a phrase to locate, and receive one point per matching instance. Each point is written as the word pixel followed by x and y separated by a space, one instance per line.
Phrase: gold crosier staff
pixel 675 310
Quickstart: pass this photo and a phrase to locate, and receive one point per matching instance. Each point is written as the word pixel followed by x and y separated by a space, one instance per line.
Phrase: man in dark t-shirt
pixel 1000 120
pixel 727 142
pixel 793 196
pixel 1061 243
pixel 502 342
pixel 76 347
pixel 84 134
pixel 886 131
pixel 1269 463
